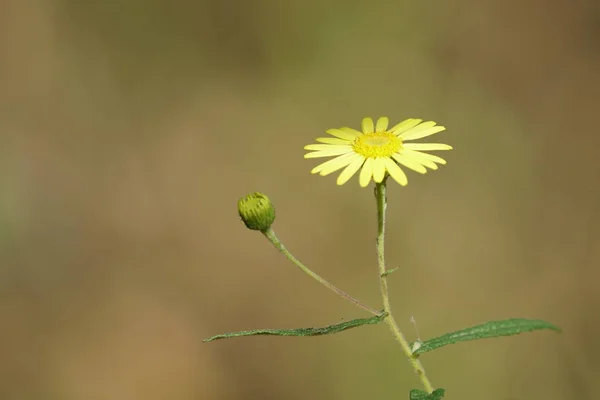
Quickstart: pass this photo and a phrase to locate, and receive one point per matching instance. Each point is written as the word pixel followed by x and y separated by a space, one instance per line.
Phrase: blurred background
pixel 129 129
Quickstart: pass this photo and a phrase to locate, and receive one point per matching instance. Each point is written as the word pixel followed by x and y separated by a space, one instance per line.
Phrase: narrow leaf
pixel 304 331
pixel 417 394
pixel 390 271
pixel 490 329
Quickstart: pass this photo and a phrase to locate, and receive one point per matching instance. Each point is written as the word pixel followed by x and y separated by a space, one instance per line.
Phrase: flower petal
pixel 329 163
pixel 332 140
pixel 342 134
pixel 351 131
pixel 430 157
pixel 427 146
pixel 379 169
pixel 423 158
pixel 410 163
pixel 338 163
pixel 327 147
pixel 367 125
pixel 366 173
pixel 395 172
pixel 326 153
pixel 425 129
pixel 405 125
pixel 350 171
pixel 382 124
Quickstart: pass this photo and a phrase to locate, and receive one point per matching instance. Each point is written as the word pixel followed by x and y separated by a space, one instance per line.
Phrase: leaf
pixel 390 271
pixel 507 327
pixel 328 330
pixel 417 394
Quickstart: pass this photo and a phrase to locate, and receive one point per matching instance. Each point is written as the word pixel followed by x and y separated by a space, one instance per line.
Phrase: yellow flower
pixel 378 150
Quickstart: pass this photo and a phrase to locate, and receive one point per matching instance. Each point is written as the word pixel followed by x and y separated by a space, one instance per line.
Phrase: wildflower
pixel 379 151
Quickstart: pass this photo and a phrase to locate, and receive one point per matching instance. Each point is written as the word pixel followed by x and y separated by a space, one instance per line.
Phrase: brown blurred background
pixel 129 129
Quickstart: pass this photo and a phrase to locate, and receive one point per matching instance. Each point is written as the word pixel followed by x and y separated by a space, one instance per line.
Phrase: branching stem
pixel 270 235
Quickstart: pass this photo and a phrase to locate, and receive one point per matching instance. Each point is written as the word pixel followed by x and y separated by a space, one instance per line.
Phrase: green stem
pixel 391 322
pixel 270 235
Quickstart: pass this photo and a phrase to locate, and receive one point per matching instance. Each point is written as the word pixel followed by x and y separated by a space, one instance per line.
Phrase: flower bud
pixel 256 211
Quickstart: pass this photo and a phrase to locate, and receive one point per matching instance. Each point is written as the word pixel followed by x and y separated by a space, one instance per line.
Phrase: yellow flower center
pixel 378 144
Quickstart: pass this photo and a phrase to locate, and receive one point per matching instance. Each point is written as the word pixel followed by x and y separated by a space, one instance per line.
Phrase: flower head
pixel 379 151
pixel 256 211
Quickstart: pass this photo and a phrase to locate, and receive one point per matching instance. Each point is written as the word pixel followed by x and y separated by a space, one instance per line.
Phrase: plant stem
pixel 380 195
pixel 270 235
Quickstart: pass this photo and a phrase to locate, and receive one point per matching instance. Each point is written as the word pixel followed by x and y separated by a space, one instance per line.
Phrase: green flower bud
pixel 256 211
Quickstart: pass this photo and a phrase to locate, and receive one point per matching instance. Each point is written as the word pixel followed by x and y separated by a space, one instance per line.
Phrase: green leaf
pixel 490 329
pixel 390 271
pixel 417 394
pixel 304 331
